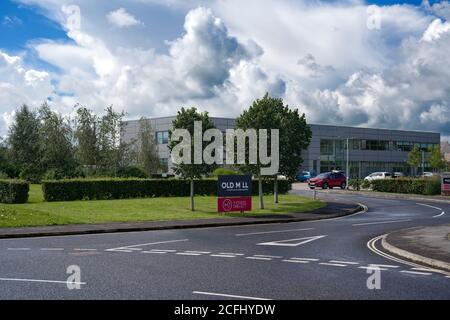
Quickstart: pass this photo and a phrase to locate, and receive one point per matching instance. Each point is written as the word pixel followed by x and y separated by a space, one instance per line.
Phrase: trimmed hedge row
pixel 409 186
pixel 14 191
pixel 104 189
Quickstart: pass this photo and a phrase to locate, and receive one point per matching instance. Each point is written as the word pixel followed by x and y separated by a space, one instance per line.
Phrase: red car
pixel 328 180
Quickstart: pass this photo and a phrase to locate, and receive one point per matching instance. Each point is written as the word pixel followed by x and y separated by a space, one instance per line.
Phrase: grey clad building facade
pixel 370 150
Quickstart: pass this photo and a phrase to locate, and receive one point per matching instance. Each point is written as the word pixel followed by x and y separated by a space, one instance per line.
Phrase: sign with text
pixel 235 186
pixel 445 186
pixel 240 204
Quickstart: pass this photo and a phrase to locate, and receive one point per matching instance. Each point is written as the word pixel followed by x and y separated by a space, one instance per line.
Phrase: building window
pixel 326 147
pixel 162 137
pixel 164 162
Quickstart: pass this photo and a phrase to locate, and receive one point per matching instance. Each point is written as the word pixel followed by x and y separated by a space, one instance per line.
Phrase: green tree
pixel 86 123
pixel 109 142
pixel 295 136
pixel 265 113
pixel 185 120
pixel 414 157
pixel 24 140
pixel 56 137
pixel 148 158
pixel 436 159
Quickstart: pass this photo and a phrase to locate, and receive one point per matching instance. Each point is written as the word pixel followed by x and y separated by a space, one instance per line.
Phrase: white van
pixel 378 176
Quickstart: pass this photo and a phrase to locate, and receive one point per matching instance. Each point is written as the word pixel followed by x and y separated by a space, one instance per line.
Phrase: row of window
pixel 330 146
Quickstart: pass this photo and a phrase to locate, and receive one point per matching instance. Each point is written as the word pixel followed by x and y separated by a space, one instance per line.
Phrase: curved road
pixel 328 259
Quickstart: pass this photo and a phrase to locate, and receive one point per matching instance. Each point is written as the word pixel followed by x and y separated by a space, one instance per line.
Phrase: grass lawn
pixel 39 213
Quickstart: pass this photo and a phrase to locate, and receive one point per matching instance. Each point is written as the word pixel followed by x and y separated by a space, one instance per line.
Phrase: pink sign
pixel 234 204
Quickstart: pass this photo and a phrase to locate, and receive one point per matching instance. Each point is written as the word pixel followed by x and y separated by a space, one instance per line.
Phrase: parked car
pixel 398 175
pixel 328 180
pixel 303 176
pixel 428 174
pixel 378 176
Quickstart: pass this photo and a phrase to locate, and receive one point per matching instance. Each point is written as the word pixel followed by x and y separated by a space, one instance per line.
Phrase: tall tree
pixel 24 139
pixel 185 120
pixel 56 142
pixel 265 113
pixel 436 159
pixel 148 158
pixel 414 157
pixel 295 136
pixel 109 139
pixel 86 124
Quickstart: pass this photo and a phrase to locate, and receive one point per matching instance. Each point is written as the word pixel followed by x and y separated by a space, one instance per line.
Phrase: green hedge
pixel 103 189
pixel 14 191
pixel 408 185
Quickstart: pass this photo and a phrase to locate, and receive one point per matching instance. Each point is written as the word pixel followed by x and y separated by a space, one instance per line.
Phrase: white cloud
pixel 19 85
pixel 319 56
pixel 122 19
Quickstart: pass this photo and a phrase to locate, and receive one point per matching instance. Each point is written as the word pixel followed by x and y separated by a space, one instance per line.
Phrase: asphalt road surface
pixel 328 259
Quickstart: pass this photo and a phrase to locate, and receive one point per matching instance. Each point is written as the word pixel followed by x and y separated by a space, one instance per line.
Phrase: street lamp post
pixel 347 167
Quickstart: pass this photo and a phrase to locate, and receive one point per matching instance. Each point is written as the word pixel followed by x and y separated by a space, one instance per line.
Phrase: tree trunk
pixel 260 191
pixel 192 195
pixel 275 189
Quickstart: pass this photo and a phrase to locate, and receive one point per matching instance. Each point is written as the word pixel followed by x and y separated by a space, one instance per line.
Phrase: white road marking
pixel 223 256
pixel 200 252
pixel 373 268
pixel 297 241
pixel 162 250
pixel 81 249
pixel 188 254
pixel 344 262
pixel 421 269
pixel 332 264
pixel 266 256
pixel 416 272
pixel 228 295
pixel 42 281
pixel 155 252
pixel 383 265
pixel 306 259
pixel 258 258
pixel 379 222
pixel 267 232
pixel 295 261
pixel 18 249
pixel 52 249
pixel 232 254
pixel 437 208
pixel 135 247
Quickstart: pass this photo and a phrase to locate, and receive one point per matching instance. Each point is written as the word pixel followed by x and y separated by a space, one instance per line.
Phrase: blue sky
pixel 151 57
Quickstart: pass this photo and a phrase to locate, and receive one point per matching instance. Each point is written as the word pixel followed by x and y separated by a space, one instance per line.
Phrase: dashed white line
pixel 258 258
pixel 200 252
pixel 379 222
pixel 37 280
pixel 295 261
pixel 266 256
pixel 374 268
pixel 228 295
pixel 268 232
pixel 223 256
pixel 188 254
pixel 18 249
pixel 332 264
pixel 416 272
pixel 155 252
pixel 344 262
pixel 306 259
pixel 231 254
pixel 383 265
pixel 52 249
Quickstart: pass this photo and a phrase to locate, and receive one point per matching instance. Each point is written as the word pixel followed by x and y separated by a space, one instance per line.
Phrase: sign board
pixel 445 185
pixel 235 186
pixel 240 204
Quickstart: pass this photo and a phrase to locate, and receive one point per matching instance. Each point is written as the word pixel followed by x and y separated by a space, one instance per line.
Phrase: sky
pixel 382 64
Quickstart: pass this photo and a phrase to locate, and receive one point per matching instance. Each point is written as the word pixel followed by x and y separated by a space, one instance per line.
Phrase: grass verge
pixel 39 213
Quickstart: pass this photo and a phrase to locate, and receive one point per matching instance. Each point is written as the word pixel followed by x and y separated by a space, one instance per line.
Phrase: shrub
pixel 355 183
pixel 31 176
pixel 131 172
pixel 407 185
pixel 102 189
pixel 224 172
pixel 14 191
pixel 3 175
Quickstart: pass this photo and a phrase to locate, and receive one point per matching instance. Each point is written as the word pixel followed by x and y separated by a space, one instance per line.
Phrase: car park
pixel 328 180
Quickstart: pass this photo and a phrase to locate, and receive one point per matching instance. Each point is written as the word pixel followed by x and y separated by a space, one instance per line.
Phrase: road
pixel 328 259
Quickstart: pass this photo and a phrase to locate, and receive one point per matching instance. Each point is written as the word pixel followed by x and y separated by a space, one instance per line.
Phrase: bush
pixel 224 172
pixel 355 183
pixel 31 176
pixel 3 175
pixel 54 174
pixel 131 172
pixel 408 186
pixel 102 189
pixel 14 191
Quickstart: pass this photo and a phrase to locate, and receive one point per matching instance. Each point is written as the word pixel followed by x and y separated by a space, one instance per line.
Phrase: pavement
pixel 331 210
pixel 426 245
pixel 339 258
